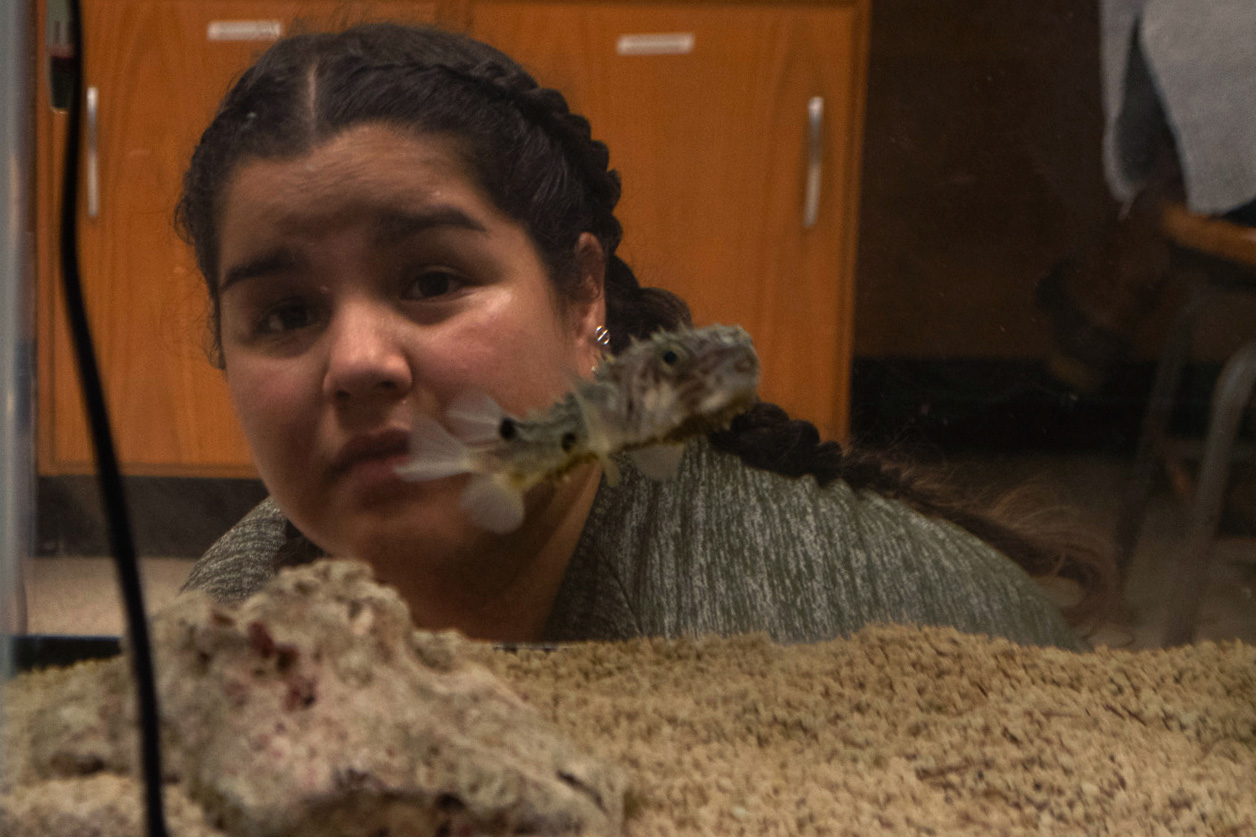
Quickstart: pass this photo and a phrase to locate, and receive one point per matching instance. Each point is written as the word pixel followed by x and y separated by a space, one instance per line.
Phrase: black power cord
pixel 110 480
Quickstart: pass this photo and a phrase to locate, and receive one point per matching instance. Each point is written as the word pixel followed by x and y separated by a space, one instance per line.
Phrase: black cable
pixel 110 480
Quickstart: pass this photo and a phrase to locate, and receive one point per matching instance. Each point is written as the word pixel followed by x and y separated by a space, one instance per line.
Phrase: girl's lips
pixel 368 463
pixel 371 449
pixel 378 470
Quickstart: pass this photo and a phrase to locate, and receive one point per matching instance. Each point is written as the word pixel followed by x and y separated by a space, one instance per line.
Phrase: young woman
pixel 388 217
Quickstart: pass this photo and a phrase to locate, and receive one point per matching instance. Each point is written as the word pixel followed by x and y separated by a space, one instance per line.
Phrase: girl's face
pixel 363 282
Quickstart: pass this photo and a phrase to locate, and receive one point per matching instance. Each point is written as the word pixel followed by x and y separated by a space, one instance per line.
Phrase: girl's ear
pixel 589 309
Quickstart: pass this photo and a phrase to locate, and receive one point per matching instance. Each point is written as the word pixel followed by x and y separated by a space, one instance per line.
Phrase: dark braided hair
pixel 539 164
pixel 1045 542
pixel 534 158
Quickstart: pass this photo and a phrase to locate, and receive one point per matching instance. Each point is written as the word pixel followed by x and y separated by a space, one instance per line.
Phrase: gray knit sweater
pixel 727 548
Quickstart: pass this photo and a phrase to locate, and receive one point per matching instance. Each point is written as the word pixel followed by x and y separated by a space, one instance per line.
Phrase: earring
pixel 601 336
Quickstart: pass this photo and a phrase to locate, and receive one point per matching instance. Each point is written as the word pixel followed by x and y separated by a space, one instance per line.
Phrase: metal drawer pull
pixel 244 30
pixel 93 164
pixel 665 43
pixel 815 120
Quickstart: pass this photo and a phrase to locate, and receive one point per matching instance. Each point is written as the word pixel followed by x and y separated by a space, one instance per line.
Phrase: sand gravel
pixel 911 731
pixel 898 730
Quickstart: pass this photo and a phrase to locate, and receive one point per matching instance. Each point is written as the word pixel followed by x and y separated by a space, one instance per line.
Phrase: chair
pixel 1216 257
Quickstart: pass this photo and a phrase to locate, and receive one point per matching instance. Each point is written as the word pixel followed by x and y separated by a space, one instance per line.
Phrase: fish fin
pixel 475 417
pixel 658 462
pixel 597 432
pixel 492 505
pixel 434 453
pixel 611 470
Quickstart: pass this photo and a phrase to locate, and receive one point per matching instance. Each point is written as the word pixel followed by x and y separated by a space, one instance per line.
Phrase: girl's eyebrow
pixel 269 264
pixel 394 227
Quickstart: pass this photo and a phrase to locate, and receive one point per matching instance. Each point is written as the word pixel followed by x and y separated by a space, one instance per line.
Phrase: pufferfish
pixel 647 401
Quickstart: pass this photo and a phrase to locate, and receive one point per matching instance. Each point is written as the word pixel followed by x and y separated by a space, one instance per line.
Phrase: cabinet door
pixel 159 68
pixel 705 107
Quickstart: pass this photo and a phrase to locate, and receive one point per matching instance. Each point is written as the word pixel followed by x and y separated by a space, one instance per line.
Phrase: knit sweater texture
pixel 726 548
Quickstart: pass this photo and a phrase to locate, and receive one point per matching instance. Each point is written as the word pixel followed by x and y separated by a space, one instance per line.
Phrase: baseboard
pixel 171 516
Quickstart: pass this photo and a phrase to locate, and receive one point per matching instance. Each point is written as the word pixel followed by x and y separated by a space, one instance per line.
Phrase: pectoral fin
pixel 658 462
pixel 492 505
pixel 475 417
pixel 598 435
pixel 434 453
pixel 610 469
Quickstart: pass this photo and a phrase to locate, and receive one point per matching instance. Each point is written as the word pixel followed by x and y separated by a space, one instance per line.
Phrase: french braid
pixel 632 310
pixel 1049 545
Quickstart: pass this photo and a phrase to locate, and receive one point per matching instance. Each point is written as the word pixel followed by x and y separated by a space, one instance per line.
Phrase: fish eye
pixel 507 430
pixel 568 442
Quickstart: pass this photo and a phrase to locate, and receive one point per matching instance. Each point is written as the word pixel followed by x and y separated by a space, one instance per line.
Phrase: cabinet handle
pixel 93 165
pixel 815 120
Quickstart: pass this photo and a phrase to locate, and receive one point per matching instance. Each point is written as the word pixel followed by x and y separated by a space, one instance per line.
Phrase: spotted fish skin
pixel 543 445
pixel 671 387
pixel 646 400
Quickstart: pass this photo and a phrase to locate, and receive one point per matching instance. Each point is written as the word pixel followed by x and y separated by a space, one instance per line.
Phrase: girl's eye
pixel 286 316
pixel 432 283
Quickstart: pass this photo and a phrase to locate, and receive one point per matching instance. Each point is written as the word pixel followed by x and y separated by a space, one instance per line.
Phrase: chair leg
pixel 1129 520
pixel 1189 573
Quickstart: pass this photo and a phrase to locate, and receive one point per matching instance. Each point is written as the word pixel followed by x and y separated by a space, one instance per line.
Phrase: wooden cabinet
pixel 713 142
pixel 158 69
pixel 705 107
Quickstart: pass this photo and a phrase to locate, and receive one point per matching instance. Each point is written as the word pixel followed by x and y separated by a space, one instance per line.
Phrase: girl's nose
pixel 366 357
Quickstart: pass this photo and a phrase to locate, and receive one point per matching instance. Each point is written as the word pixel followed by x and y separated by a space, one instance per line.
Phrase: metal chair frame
pixel 1215 266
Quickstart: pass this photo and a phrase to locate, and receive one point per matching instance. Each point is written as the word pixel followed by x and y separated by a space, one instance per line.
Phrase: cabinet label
pixel 668 43
pixel 244 30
